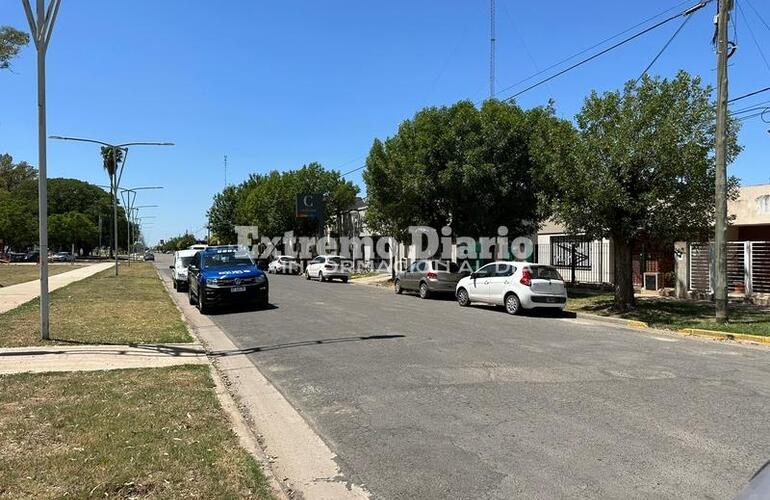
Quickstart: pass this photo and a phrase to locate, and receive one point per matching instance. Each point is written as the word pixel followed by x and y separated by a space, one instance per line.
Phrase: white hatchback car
pixel 515 285
pixel 328 267
pixel 283 264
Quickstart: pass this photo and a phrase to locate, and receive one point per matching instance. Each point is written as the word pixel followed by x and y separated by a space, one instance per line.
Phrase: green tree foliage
pixel 467 167
pixel 180 242
pixel 11 43
pixel 638 168
pixel 72 228
pixel 13 175
pixel 221 215
pixel 19 206
pixel 268 201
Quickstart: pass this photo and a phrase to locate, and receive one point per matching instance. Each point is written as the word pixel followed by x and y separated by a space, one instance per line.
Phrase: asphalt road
pixel 424 399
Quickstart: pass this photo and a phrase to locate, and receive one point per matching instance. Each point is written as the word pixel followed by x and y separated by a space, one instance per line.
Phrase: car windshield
pixel 186 261
pixel 545 273
pixel 450 267
pixel 226 259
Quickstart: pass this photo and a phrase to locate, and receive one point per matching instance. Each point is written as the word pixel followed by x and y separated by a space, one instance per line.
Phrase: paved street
pixel 424 399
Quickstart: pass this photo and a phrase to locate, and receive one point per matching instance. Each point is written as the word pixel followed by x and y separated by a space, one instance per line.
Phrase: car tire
pixel 512 304
pixel 190 297
pixel 174 284
pixel 321 276
pixel 397 287
pixel 307 275
pixel 344 280
pixel 424 291
pixel 202 306
pixel 462 298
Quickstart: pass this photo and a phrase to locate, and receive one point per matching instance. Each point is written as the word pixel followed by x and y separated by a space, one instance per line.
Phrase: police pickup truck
pixel 225 275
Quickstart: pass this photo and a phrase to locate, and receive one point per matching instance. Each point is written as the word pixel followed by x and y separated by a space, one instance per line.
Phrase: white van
pixel 182 259
pixel 198 246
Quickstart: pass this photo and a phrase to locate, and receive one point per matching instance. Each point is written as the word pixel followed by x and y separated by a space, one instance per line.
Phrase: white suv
pixel 516 285
pixel 328 267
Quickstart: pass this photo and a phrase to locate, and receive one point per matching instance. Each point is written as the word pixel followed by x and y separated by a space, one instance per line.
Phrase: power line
pixel 758 15
pixel 744 96
pixel 660 53
pixel 354 170
pixel 688 12
pixel 599 44
pixel 754 38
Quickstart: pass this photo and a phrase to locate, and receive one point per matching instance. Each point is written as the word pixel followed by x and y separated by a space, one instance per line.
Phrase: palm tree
pixel 111 158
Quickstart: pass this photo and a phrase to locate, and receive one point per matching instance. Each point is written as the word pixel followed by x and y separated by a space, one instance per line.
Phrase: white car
pixel 515 285
pixel 328 267
pixel 283 264
pixel 182 259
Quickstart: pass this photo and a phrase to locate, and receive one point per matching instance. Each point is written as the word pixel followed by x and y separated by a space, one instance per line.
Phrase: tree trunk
pixel 624 283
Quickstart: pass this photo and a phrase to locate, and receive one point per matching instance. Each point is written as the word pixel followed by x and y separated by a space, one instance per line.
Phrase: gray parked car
pixel 429 276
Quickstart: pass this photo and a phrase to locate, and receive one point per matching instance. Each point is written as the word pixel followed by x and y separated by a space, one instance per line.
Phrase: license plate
pixel 238 289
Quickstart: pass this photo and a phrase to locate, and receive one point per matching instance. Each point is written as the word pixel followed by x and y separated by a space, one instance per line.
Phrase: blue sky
pixel 274 85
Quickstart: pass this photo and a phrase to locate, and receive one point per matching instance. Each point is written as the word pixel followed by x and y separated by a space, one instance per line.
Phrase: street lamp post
pixel 41 26
pixel 128 195
pixel 136 214
pixel 115 174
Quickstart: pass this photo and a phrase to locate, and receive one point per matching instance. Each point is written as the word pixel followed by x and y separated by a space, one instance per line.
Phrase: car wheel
pixel 397 287
pixel 345 280
pixel 462 298
pixel 174 284
pixel 307 275
pixel 424 292
pixel 512 304
pixel 321 276
pixel 190 296
pixel 202 306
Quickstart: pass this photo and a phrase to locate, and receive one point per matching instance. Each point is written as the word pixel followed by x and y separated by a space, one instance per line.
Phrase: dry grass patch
pixel 155 432
pixel 133 307
pixel 13 274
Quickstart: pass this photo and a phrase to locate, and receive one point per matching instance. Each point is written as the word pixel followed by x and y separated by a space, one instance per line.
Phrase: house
pixel 751 212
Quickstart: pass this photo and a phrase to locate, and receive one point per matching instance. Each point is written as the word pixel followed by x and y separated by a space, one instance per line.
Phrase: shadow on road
pixel 301 343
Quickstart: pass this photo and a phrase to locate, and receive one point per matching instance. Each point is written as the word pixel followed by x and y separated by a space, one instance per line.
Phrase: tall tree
pixel 462 166
pixel 639 168
pixel 11 43
pixel 72 228
pixel 268 201
pixel 12 175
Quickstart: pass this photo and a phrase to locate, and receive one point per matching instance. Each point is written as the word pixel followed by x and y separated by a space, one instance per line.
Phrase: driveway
pixel 424 399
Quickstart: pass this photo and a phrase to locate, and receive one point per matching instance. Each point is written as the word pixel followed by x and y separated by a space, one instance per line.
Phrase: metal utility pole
pixel 115 175
pixel 128 196
pixel 492 41
pixel 720 232
pixel 41 26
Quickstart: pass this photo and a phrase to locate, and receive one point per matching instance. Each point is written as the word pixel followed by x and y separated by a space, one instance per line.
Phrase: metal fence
pixel 578 260
pixel 748 267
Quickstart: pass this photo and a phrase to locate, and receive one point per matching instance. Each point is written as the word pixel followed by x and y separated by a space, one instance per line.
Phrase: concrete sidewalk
pixel 56 358
pixel 15 295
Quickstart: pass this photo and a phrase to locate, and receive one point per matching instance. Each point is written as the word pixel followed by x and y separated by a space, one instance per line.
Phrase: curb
pixel 739 337
pixel 685 332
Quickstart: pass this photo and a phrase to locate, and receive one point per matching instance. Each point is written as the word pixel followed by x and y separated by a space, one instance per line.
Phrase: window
pixel 763 204
pixel 422 266
pixel 186 261
pixel 545 273
pixel 450 267
pixel 223 259
pixel 503 270
pixel 561 251
pixel 486 271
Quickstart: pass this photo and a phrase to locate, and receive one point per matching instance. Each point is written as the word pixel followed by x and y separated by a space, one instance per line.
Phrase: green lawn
pixel 133 307
pixel 661 312
pixel 13 274
pixel 155 432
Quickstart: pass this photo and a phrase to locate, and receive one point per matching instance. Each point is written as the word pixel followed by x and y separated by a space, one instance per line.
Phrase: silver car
pixel 427 277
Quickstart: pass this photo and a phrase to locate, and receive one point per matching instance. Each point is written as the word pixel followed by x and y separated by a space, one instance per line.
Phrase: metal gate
pixel 748 267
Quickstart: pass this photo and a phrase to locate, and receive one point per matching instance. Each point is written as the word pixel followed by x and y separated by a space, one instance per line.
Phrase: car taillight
pixel 432 275
pixel 526 277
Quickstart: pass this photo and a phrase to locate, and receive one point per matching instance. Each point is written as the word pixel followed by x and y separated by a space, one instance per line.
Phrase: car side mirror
pixel 473 276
